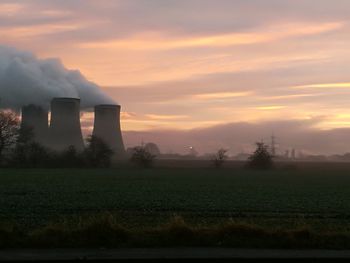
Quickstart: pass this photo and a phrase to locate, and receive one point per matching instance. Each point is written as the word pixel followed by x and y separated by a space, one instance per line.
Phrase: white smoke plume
pixel 25 79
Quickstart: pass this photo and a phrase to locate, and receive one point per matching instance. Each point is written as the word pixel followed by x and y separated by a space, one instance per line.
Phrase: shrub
pixel 219 158
pixel 97 152
pixel 261 158
pixel 28 152
pixel 142 157
pixel 30 155
pixel 70 158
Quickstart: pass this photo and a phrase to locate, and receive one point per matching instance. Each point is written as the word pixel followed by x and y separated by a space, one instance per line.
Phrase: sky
pixel 242 68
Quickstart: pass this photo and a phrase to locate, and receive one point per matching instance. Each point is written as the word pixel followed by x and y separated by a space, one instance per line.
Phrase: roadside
pixel 167 254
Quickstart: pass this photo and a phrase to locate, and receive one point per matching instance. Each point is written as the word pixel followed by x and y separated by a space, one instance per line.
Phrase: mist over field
pixel 301 135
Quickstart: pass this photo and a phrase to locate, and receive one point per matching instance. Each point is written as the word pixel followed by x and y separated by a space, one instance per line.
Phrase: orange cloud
pixel 158 41
pixel 274 107
pixel 166 117
pixel 37 30
pixel 127 115
pixel 10 9
pixel 324 86
pixel 148 124
pixel 221 95
pixel 290 96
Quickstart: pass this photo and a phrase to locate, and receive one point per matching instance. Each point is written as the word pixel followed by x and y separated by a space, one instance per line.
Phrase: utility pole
pixel 273 145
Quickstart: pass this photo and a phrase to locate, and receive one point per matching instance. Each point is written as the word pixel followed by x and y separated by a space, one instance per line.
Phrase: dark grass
pixel 34 197
pixel 281 208
pixel 105 231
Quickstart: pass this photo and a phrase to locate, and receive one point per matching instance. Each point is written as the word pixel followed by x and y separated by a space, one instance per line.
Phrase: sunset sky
pixel 179 65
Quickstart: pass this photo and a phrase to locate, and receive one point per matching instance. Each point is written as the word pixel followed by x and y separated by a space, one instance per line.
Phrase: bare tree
pixel 9 130
pixel 219 158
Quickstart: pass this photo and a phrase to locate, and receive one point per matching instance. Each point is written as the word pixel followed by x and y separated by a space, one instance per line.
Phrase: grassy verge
pixel 105 231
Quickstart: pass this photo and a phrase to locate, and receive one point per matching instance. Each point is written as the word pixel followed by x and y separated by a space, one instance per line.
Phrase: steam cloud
pixel 25 79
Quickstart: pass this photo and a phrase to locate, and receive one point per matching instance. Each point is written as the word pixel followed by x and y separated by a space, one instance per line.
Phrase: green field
pixel 35 197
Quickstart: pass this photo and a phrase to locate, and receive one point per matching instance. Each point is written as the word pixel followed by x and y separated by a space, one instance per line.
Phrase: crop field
pixel 34 197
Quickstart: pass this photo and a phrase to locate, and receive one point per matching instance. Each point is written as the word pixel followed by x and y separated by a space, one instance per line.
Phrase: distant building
pixel 293 156
pixel 286 154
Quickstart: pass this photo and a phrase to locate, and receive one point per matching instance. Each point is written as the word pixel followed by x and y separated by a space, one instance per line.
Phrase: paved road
pixel 167 254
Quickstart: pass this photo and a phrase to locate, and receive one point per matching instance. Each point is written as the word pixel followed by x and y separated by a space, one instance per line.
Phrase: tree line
pixel 19 149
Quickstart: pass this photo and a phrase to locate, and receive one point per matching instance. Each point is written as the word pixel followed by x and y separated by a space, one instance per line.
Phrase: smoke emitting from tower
pixel 26 79
pixel 107 127
pixel 65 129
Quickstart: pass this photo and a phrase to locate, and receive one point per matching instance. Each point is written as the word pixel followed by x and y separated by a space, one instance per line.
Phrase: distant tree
pixel 219 158
pixel 19 155
pixel 261 158
pixel 97 152
pixel 29 153
pixel 37 155
pixel 152 148
pixel 9 131
pixel 70 158
pixel 25 135
pixel 142 157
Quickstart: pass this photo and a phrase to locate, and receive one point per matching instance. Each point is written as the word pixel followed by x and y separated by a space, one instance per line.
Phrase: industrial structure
pixel 35 121
pixel 107 127
pixel 65 129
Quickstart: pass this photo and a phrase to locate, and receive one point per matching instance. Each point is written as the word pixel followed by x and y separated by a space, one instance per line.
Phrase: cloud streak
pixel 156 41
pixel 324 86
pixel 221 95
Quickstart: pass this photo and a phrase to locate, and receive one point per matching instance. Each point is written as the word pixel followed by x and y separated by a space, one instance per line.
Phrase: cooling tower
pixel 36 118
pixel 65 127
pixel 107 127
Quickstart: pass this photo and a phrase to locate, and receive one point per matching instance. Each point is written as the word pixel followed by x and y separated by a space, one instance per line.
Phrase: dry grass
pixel 105 231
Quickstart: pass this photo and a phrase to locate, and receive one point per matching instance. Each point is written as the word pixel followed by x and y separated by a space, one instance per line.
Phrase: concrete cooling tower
pixel 107 127
pixel 36 119
pixel 65 129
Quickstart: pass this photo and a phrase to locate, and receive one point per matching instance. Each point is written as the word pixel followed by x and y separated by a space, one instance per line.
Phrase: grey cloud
pixel 194 17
